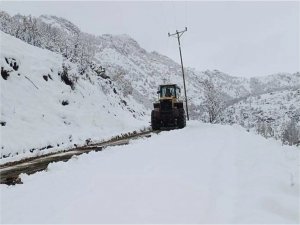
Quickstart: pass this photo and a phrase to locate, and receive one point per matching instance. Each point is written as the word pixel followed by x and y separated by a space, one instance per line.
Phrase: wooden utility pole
pixel 179 34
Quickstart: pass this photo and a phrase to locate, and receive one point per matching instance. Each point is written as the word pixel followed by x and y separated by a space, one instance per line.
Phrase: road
pixel 9 173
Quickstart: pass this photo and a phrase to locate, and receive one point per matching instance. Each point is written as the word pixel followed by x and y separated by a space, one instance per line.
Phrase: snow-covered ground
pixel 201 174
pixel 40 113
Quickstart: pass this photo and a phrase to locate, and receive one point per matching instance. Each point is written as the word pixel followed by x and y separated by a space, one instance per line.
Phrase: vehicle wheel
pixel 154 122
pixel 181 120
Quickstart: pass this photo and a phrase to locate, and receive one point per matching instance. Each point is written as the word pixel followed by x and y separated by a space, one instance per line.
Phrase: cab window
pixel 167 91
pixel 177 92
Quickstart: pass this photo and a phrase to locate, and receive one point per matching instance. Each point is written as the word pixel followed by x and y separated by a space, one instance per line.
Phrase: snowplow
pixel 168 112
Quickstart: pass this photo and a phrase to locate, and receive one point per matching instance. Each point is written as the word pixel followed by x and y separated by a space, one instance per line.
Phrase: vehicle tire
pixel 154 122
pixel 181 120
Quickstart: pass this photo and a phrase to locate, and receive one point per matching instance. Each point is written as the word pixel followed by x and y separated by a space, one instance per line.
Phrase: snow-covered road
pixel 201 174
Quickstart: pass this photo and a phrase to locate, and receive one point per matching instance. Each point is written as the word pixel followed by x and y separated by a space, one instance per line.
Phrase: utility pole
pixel 179 34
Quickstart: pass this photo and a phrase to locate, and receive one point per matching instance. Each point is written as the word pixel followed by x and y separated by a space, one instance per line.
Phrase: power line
pixel 179 34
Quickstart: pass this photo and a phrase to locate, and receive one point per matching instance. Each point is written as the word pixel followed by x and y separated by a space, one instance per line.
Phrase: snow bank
pixel 201 174
pixel 40 113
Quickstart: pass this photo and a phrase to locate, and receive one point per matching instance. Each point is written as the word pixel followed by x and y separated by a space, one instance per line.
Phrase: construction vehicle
pixel 168 112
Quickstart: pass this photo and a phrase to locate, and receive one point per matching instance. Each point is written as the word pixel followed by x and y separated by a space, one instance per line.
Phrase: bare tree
pixel 291 133
pixel 265 129
pixel 5 21
pixel 213 102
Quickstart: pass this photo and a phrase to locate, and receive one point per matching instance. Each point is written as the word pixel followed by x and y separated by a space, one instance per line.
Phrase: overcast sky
pixel 239 38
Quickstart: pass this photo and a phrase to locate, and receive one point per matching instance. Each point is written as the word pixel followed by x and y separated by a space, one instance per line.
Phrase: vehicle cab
pixel 169 91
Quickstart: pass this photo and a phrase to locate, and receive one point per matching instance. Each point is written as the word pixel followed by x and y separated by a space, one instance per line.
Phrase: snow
pixel 276 107
pixel 33 111
pixel 60 23
pixel 200 174
pixel 36 116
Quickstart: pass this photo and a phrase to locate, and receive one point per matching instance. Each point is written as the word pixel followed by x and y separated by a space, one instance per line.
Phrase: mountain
pixel 140 72
pixel 267 113
pixel 62 69
pixel 60 23
pixel 279 81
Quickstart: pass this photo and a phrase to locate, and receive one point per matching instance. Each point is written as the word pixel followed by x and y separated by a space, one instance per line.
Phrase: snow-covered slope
pixel 279 81
pixel 40 111
pixel 210 174
pixel 134 75
pixel 268 113
pixel 60 23
pixel 136 71
pixel 139 73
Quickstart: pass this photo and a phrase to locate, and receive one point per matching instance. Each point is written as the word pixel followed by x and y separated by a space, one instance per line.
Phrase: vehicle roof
pixel 162 85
